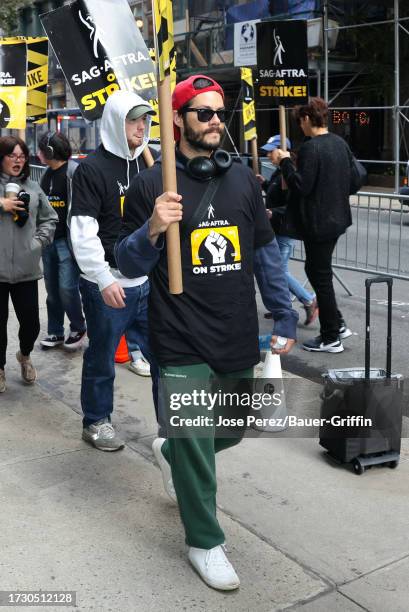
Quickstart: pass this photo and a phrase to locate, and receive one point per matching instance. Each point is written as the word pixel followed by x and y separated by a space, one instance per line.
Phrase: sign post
pixel 162 10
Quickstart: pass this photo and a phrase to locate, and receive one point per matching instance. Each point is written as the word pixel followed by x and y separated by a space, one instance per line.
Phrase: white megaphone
pixel 272 418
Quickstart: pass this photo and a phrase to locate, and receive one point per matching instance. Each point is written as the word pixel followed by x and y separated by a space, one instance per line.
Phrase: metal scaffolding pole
pixel 325 37
pixel 396 109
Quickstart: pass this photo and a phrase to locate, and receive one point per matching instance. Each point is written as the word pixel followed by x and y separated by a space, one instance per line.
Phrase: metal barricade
pixel 36 172
pixel 378 240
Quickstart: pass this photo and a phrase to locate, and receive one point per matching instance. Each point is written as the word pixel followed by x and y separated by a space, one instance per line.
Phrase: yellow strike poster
pixel 13 88
pixel 248 106
pixel 155 129
pixel 37 79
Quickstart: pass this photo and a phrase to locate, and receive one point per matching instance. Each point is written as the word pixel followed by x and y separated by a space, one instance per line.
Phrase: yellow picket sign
pixel 164 35
pixel 248 106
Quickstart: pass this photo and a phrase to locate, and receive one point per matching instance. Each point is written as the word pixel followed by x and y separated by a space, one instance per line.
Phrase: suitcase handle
pixel 368 282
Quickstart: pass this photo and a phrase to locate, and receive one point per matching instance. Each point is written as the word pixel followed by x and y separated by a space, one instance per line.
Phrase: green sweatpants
pixel 192 458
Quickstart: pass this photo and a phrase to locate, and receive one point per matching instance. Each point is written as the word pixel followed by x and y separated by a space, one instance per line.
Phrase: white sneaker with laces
pixel 165 468
pixel 214 567
pixel 140 366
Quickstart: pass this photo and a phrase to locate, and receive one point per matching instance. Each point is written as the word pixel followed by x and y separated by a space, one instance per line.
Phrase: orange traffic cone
pixel 122 353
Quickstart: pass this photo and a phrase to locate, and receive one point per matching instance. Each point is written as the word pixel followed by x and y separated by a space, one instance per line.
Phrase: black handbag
pixel 359 176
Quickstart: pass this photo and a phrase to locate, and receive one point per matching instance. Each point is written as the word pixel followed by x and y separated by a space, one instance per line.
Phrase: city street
pixel 303 533
pixel 122 127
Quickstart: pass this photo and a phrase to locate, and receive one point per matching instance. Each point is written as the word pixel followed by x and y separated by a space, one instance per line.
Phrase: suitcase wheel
pixel 358 467
pixel 393 464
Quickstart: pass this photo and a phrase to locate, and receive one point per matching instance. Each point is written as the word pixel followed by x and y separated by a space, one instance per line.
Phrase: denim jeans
pixel 61 275
pixel 105 326
pixel 286 246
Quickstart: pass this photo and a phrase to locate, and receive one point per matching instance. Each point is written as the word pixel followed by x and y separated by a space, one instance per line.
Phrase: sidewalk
pixel 302 533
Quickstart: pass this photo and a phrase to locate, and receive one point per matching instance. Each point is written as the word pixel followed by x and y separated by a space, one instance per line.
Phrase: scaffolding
pixel 397 108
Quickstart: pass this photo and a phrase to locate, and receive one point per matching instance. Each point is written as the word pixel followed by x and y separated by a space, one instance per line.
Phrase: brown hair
pixel 316 110
pixel 7 146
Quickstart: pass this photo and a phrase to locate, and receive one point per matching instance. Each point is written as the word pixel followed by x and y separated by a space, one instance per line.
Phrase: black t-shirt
pixel 54 185
pixel 215 319
pixel 99 186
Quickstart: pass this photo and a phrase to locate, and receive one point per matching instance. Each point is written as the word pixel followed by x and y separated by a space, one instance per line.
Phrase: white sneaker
pixel 165 468
pixel 140 366
pixel 214 567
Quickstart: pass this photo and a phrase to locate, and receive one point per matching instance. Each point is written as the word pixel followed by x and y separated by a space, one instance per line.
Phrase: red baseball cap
pixel 188 89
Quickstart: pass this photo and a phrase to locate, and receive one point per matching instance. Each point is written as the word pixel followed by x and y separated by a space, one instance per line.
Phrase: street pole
pixel 396 108
pixel 325 39
pixel 318 75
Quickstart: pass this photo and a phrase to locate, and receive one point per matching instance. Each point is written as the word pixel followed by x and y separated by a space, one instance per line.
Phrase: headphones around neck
pixel 49 149
pixel 205 168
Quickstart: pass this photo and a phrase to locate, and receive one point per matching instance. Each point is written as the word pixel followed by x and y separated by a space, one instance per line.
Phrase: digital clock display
pixel 343 117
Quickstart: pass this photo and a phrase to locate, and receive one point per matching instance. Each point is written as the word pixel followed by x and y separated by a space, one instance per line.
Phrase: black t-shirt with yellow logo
pixel 54 185
pixel 215 319
pixel 98 190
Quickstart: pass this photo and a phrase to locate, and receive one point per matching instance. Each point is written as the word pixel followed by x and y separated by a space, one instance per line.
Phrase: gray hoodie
pixel 20 247
pixel 85 228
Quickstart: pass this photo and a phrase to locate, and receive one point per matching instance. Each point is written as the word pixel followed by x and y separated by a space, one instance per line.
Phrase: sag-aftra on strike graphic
pixel 282 63
pixel 13 90
pixel 94 61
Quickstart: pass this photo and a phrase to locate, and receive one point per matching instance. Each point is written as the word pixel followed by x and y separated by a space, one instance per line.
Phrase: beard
pixel 197 139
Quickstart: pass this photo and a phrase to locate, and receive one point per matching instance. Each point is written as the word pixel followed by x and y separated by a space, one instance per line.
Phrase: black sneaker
pixel 318 346
pixel 74 340
pixel 51 341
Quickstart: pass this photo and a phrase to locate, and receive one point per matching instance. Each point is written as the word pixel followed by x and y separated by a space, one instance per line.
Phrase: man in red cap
pixel 210 332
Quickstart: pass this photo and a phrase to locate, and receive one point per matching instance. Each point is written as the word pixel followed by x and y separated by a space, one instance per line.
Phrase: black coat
pixel 321 181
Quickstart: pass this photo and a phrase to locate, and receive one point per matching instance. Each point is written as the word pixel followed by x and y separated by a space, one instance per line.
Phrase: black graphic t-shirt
pixel 54 185
pixel 215 319
pixel 99 187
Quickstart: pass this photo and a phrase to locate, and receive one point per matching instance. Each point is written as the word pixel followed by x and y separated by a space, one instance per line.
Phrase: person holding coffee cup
pixel 20 251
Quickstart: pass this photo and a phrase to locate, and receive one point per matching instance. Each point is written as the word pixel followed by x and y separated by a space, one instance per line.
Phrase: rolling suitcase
pixel 361 410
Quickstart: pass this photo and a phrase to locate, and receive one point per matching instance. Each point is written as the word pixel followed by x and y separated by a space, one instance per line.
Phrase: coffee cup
pixel 11 190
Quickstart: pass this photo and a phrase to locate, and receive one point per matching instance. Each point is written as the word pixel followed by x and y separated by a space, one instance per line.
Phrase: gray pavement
pixel 303 533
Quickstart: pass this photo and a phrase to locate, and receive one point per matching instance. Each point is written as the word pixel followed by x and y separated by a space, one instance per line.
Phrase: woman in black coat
pixel 322 181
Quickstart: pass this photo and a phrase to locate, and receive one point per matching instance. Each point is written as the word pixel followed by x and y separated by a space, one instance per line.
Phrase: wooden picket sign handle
pixel 283 137
pixel 283 127
pixel 169 183
pixel 148 157
pixel 254 155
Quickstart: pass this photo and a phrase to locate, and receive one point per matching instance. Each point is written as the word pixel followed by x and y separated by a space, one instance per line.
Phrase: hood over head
pixel 113 134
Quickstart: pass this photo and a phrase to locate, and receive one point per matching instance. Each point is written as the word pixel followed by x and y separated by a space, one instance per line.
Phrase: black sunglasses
pixel 205 114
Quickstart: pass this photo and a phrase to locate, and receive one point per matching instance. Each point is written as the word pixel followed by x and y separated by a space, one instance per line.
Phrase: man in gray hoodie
pixel 112 303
